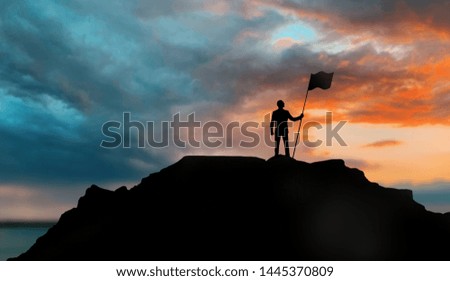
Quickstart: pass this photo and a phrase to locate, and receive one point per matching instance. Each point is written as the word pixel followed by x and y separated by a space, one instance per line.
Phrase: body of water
pixel 16 238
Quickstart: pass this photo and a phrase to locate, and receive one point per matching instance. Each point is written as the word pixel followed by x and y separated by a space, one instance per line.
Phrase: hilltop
pixel 244 208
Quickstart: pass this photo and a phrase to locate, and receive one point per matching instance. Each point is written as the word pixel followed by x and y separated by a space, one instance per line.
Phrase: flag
pixel 321 80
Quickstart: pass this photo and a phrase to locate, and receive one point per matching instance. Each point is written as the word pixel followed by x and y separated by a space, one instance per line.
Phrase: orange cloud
pixel 394 71
pixel 383 143
pixel 373 88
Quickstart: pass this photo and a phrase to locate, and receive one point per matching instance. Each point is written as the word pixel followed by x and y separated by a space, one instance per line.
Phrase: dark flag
pixel 321 80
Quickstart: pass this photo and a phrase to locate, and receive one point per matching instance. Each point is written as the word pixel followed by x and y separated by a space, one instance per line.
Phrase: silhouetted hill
pixel 242 208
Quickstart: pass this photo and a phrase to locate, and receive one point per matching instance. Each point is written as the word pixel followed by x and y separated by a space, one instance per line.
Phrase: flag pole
pixel 300 124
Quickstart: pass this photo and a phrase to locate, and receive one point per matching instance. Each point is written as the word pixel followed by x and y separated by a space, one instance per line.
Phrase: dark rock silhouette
pixel 241 208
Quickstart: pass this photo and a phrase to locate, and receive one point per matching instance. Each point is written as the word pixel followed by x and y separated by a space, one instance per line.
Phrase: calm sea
pixel 16 238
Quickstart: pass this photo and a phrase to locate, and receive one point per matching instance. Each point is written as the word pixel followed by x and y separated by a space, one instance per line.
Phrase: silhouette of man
pixel 280 123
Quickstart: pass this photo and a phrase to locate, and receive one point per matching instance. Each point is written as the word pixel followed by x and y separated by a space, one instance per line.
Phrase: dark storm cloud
pixel 58 87
pixel 384 17
pixel 89 63
pixel 69 67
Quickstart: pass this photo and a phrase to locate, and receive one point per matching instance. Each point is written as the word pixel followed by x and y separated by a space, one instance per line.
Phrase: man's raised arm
pixel 295 118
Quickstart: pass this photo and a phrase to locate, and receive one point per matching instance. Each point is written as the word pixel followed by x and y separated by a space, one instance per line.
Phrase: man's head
pixel 280 104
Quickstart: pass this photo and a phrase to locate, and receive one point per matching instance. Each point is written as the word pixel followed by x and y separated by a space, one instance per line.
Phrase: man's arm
pixel 295 118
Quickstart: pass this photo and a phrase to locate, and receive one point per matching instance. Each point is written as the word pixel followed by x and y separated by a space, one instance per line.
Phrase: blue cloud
pixel 68 67
pixel 299 31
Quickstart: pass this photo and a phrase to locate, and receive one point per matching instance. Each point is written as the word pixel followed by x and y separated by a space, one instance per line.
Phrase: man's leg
pixel 277 144
pixel 286 145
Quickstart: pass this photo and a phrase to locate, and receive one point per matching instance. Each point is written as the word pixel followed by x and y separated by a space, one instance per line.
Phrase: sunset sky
pixel 67 67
